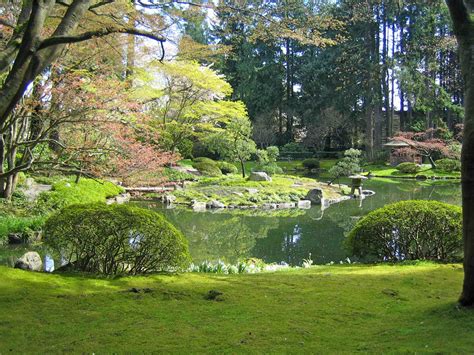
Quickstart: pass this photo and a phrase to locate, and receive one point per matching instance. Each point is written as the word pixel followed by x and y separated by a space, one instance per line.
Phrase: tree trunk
pixel 464 31
pixel 243 167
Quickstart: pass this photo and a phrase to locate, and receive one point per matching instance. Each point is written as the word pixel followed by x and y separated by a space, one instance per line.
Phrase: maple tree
pixel 427 143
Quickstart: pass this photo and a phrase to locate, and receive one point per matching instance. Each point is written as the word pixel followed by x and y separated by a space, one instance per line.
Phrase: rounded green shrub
pixel 204 160
pixel 408 168
pixel 409 230
pixel 208 169
pixel 227 168
pixel 115 239
pixel 448 165
pixel 311 163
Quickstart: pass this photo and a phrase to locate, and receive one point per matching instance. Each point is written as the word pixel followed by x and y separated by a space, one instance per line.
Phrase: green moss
pixel 235 190
pixel 328 309
pixel 390 171
pixel 67 192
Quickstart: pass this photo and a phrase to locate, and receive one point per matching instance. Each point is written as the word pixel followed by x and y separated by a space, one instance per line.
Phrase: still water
pixel 287 235
pixel 291 235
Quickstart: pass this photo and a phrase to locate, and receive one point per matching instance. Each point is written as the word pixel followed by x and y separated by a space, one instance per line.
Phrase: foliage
pixel 227 168
pixel 348 165
pixel 409 230
pixel 448 165
pixel 207 168
pixel 311 163
pixel 116 239
pixel 19 224
pixel 429 143
pixel 176 175
pixel 234 143
pixel 270 168
pixel 408 168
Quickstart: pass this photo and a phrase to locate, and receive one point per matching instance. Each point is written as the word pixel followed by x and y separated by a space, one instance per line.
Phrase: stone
pixel 259 176
pixel 169 199
pixel 252 191
pixel 217 204
pixel 304 204
pixel 122 198
pixel 315 196
pixel 285 205
pixel 30 261
pixel 198 206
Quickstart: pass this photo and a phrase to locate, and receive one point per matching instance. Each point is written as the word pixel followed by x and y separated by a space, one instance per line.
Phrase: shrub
pixel 115 239
pixel 409 230
pixel 448 165
pixel 311 163
pixel 206 168
pixel 204 160
pixel 270 169
pixel 227 168
pixel 408 168
pixel 273 153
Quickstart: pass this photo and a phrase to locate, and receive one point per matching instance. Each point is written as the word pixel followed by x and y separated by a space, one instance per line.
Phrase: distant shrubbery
pixel 448 165
pixel 311 163
pixel 409 230
pixel 408 168
pixel 115 239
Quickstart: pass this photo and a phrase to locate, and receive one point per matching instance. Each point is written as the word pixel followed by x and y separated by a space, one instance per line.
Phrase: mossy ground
pixel 326 309
pixel 234 190
pixel 426 170
pixel 20 215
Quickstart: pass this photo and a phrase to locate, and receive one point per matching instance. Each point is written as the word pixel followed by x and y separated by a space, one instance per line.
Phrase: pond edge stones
pixel 30 261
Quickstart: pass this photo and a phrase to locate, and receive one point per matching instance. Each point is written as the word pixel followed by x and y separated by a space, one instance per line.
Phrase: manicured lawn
pixel 341 309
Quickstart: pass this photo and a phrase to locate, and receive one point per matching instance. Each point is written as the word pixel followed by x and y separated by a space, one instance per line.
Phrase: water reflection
pixel 291 235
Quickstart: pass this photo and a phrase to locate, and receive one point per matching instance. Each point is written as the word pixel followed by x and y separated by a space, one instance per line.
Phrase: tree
pixel 28 52
pixel 461 14
pixel 234 141
pixel 348 165
pixel 427 143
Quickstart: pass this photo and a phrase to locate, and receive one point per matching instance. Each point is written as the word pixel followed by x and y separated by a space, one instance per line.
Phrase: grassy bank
pixel 342 309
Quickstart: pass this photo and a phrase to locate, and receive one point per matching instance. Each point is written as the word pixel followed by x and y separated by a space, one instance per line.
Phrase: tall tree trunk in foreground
pixel 464 30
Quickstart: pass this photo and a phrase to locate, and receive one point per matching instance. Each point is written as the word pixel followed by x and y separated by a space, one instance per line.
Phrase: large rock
pixel 30 261
pixel 198 206
pixel 216 204
pixel 259 176
pixel 169 199
pixel 304 204
pixel 315 196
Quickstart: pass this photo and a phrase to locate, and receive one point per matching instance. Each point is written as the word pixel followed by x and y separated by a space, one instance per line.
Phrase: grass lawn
pixel 344 309
pixel 387 170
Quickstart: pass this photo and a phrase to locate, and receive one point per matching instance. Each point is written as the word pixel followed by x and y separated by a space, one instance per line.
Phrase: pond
pixel 287 235
pixel 292 235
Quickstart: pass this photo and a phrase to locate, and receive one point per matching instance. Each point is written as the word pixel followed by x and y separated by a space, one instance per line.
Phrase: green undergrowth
pixel 21 216
pixel 323 309
pixel 238 191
